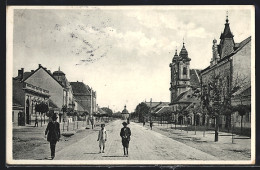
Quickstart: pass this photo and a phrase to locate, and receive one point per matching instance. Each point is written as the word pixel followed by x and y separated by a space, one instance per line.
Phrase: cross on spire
pixel 227 17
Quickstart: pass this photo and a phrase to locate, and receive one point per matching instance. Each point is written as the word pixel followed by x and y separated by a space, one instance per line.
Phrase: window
pixel 184 71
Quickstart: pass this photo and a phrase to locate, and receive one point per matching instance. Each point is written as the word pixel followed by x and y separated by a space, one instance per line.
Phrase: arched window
pixel 184 71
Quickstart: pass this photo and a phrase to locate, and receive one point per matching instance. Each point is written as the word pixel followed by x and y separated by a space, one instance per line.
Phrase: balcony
pixel 35 89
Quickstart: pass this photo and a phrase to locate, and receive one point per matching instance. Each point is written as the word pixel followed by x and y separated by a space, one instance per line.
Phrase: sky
pixel 123 53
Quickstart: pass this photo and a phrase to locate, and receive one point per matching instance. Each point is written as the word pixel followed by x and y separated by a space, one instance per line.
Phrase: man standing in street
pixel 125 135
pixel 53 134
pixel 151 125
pixel 102 138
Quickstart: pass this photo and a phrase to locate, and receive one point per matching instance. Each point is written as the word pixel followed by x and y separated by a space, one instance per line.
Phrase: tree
pixel 216 97
pixel 42 108
pixel 242 110
pixel 142 110
pixel 108 111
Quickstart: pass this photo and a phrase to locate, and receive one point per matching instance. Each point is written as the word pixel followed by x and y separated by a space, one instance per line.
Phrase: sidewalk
pixel 240 149
pixel 29 141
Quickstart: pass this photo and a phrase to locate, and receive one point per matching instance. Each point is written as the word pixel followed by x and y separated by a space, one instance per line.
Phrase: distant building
pixel 232 62
pixel 125 113
pixel 85 97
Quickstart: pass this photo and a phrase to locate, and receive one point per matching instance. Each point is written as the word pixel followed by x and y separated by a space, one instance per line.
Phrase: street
pixel 145 144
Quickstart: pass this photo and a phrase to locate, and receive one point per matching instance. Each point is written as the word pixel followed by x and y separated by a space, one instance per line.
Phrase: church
pixel 184 81
pixel 231 61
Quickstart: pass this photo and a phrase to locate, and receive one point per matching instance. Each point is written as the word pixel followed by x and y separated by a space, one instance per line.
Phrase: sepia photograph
pixel 130 85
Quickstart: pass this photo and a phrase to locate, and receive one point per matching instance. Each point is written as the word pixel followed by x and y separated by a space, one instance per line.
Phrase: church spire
pixel 226 40
pixel 227 32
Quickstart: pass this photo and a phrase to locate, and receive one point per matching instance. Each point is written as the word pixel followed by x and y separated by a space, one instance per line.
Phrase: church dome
pixel 125 111
pixel 58 73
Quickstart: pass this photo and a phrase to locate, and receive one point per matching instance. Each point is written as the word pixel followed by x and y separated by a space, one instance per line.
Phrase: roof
pixel 164 109
pixel 195 77
pixel 187 97
pixel 26 75
pixel 156 104
pixel 246 91
pixel 227 32
pixel 237 48
pixel 79 88
pixel 183 52
pixel 101 111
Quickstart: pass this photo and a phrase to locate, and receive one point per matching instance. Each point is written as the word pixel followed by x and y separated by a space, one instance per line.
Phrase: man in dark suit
pixel 53 134
pixel 125 134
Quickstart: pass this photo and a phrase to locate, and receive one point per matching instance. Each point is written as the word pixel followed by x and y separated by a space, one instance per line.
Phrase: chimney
pixel 20 73
pixel 40 65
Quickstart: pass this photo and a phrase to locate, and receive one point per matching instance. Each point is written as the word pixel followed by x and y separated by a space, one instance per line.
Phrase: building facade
pixel 231 62
pixel 184 81
pixel 84 96
pixel 25 97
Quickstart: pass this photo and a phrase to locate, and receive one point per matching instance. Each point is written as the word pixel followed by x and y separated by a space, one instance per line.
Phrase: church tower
pixel 227 43
pixel 180 73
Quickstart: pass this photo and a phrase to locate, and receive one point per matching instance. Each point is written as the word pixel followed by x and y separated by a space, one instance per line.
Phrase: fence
pixel 71 126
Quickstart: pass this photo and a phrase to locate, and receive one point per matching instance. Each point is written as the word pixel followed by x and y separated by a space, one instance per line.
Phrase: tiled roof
pixel 26 75
pixel 187 97
pixel 80 88
pixel 156 104
pixel 101 111
pixel 195 77
pixel 164 109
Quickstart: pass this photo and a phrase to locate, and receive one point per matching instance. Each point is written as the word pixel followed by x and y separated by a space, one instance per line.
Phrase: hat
pixel 124 123
pixel 54 117
pixel 102 124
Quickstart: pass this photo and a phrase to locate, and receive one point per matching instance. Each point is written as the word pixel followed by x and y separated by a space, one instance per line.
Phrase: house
pixel 56 84
pixel 85 97
pixel 25 97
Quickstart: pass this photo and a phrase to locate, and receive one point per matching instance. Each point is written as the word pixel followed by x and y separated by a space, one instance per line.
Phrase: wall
pixel 242 63
pixel 42 79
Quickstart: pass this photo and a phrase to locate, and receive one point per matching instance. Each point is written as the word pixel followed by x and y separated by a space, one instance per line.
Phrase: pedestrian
pixel 53 134
pixel 143 123
pixel 125 135
pixel 102 138
pixel 92 122
pixel 36 122
pixel 151 125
